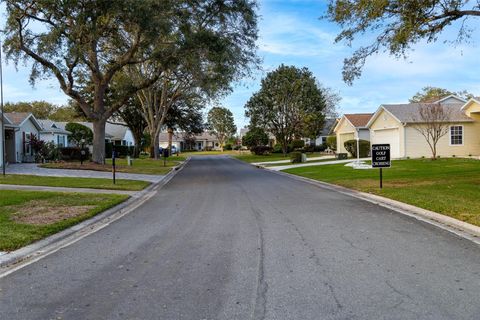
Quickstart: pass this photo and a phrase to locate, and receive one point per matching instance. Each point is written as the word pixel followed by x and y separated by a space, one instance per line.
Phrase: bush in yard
pixel 255 137
pixel 351 147
pixel 79 132
pixel 296 157
pixel 73 153
pixel 321 147
pixel 332 143
pixel 261 150
pixel 297 144
pixel 228 146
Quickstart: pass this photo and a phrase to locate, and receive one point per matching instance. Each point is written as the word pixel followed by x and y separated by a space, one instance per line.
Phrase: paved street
pixel 224 240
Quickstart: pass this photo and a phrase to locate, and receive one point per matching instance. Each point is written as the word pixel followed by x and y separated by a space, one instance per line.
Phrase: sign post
pixel 381 158
pixel 165 154
pixel 113 165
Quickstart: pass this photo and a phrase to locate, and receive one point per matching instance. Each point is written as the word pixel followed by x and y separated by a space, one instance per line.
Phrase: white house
pixel 182 141
pixel 20 127
pixel 51 132
pixel 118 134
pixel 397 124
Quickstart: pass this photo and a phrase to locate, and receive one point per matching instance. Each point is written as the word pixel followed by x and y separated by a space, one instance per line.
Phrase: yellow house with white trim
pixel 396 125
pixel 351 127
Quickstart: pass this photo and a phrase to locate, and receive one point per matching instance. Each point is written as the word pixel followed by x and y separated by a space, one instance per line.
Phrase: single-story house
pixel 51 132
pixel 271 138
pixel 182 141
pixel 351 127
pixel 396 124
pixel 20 127
pixel 118 134
pixel 327 131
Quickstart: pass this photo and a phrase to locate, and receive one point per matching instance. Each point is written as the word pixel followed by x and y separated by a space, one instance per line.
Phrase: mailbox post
pixel 165 154
pixel 381 158
pixel 113 165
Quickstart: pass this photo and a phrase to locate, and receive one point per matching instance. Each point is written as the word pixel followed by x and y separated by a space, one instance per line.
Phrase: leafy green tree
pixel 40 109
pixel 90 41
pixel 221 123
pixel 79 132
pixel 397 24
pixel 432 94
pixel 255 137
pixel 131 115
pixel 288 98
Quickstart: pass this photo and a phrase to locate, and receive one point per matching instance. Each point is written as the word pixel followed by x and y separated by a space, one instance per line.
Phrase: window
pixel 456 135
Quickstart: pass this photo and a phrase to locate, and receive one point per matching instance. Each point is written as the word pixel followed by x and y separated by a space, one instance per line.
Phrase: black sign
pixel 381 156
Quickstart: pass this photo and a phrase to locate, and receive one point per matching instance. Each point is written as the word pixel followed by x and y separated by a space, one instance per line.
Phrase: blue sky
pixel 291 33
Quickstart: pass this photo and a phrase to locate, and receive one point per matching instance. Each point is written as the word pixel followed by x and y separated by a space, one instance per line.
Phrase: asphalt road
pixel 224 240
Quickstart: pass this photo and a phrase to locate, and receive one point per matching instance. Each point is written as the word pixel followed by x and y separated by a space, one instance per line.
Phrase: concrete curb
pixel 460 228
pixel 14 260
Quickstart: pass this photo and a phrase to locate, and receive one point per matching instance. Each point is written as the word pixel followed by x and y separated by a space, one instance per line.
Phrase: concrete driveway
pixel 224 240
pixel 34 169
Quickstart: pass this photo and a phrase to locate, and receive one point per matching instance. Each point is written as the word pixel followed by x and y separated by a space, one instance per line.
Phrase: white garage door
pixel 390 136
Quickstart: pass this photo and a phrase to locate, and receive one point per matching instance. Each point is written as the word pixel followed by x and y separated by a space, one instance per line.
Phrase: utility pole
pixel 4 162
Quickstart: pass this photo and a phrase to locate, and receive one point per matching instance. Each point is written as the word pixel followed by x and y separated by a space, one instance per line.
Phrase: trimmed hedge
pixel 332 143
pixel 73 153
pixel 296 157
pixel 260 150
pixel 121 151
pixel 351 147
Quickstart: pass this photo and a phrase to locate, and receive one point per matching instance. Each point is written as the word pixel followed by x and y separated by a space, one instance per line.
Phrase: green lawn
pixel 448 186
pixel 70 182
pixel 289 163
pixel 140 166
pixel 251 158
pixel 28 216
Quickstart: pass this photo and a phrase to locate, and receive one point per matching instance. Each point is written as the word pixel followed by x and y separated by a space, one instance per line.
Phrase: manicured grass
pixel 447 186
pixel 140 166
pixel 251 158
pixel 28 216
pixel 71 182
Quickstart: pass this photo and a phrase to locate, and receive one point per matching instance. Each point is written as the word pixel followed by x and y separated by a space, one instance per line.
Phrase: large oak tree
pixel 84 44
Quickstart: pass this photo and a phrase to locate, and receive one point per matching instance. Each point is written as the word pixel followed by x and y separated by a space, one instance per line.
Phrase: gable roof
pixel 48 126
pixel 451 97
pixel 62 124
pixel 116 131
pixel 359 120
pixel 328 126
pixel 19 118
pixel 410 113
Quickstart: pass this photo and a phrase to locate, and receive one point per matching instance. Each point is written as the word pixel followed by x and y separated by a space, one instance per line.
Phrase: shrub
pixel 297 144
pixel 255 137
pixel 228 146
pixel 121 151
pixel 237 147
pixel 277 148
pixel 309 148
pixel 73 153
pixel 321 147
pixel 351 147
pixel 332 142
pixel 261 150
pixel 296 157
pixel 79 132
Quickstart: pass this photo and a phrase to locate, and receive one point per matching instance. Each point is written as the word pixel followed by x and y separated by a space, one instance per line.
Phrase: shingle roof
pixel 17 118
pixel 328 126
pixel 410 113
pixel 51 126
pixel 62 125
pixel 359 120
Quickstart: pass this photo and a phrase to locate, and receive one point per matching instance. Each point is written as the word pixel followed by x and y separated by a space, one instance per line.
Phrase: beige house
pixel 396 125
pixel 183 141
pixel 351 127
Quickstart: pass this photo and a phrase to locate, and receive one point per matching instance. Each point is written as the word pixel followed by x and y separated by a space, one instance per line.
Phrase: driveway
pixel 34 169
pixel 224 240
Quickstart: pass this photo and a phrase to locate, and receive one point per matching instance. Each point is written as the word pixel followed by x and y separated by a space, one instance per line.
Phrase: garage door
pixel 390 136
pixel 344 137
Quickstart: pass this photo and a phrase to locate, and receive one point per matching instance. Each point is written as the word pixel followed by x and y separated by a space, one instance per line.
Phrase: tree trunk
pixel 137 136
pixel 170 139
pixel 98 154
pixel 284 148
pixel 154 145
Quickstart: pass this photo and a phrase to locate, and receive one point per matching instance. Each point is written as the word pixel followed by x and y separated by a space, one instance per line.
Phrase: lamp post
pixel 2 111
